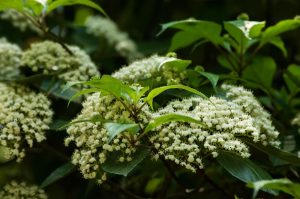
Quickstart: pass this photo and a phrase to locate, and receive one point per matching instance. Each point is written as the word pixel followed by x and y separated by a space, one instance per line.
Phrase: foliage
pixel 157 127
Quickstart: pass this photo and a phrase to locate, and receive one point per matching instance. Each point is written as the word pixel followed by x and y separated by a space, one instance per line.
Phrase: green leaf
pixel 57 124
pixel 277 41
pixel 288 157
pixel 224 62
pixel 183 39
pixel 170 118
pixel 58 174
pixel 117 88
pixel 279 28
pixel 175 64
pixel 292 78
pixel 83 92
pixel 11 4
pixel 157 91
pixel 242 168
pixel 213 78
pixel 261 71
pixel 203 29
pixel 283 184
pixel 114 129
pixel 112 165
pixel 243 32
pixel 153 185
pixel 58 3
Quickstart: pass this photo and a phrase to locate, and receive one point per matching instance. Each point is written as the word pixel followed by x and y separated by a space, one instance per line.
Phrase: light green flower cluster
pixel 92 138
pixel 10 59
pixel 20 190
pixel 296 121
pixel 19 21
pixel 50 57
pixel 107 29
pixel 150 68
pixel 24 118
pixel 224 123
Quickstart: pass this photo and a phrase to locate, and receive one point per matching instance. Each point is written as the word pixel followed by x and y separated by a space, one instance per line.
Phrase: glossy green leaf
pixel 243 32
pixel 279 28
pixel 83 92
pixel 115 129
pixel 58 3
pixel 175 64
pixel 288 157
pixel 213 78
pixel 283 184
pixel 204 29
pixel 111 85
pixel 11 4
pixel 224 62
pixel 277 41
pixel 242 168
pixel 112 165
pixel 183 39
pixel 261 71
pixel 58 174
pixel 292 77
pixel 170 118
pixel 157 91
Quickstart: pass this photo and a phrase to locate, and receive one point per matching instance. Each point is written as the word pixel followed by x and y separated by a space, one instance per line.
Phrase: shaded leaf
pixel 114 129
pixel 261 71
pixel 112 165
pixel 283 184
pixel 242 168
pixel 288 157
pixel 58 174
pixel 213 78
pixel 277 41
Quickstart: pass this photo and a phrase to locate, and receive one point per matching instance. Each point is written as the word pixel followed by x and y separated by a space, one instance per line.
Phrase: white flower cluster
pixel 296 121
pixel 107 29
pixel 148 69
pixel 224 123
pixel 10 59
pixel 21 190
pixel 24 118
pixel 250 105
pixel 50 57
pixel 19 21
pixel 92 139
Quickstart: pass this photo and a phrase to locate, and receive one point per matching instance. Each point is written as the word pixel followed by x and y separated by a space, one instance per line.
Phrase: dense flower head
pixel 107 29
pixel 296 121
pixel 224 122
pixel 10 59
pixel 24 117
pixel 19 21
pixel 250 105
pixel 92 139
pixel 21 190
pixel 148 68
pixel 50 57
